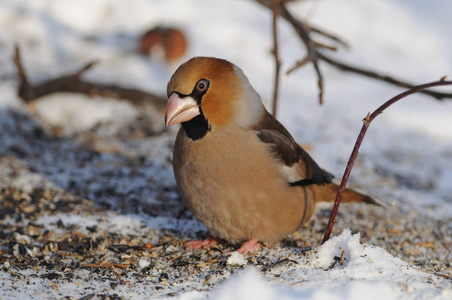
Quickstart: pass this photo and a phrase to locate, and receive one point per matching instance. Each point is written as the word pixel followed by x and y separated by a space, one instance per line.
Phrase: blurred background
pixel 138 44
pixel 408 39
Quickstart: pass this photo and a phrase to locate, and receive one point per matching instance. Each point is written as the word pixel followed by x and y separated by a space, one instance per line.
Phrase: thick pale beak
pixel 179 110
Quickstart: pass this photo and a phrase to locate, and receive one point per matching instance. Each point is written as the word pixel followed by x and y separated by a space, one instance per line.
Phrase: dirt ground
pixel 96 175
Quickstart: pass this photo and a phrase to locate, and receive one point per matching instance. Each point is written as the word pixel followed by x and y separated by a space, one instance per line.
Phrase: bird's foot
pixel 207 243
pixel 246 247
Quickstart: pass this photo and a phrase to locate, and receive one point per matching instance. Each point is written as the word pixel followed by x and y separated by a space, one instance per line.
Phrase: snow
pixel 367 271
pixel 143 263
pixel 236 258
pixel 69 115
pixel 405 160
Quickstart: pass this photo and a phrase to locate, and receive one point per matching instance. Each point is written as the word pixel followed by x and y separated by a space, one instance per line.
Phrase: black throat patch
pixel 197 127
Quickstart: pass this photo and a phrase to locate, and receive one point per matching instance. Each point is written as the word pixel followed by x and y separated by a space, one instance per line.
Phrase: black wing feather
pixel 284 148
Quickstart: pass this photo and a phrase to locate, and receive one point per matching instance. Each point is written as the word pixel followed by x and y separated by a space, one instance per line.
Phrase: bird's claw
pixel 207 243
pixel 246 247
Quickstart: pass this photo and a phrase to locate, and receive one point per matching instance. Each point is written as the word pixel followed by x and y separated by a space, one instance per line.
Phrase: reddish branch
pixel 367 120
pixel 73 84
pixel 276 55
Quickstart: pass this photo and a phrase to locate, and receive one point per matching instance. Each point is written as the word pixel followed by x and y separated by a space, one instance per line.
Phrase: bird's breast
pixel 235 188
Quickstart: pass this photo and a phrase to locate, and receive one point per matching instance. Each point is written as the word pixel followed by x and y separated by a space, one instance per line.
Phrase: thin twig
pixel 324 46
pixel 303 33
pixel 367 120
pixel 299 64
pixel 20 69
pixel 276 55
pixel 85 68
pixel 330 36
pixel 372 74
pixel 24 83
pixel 310 28
pixel 341 261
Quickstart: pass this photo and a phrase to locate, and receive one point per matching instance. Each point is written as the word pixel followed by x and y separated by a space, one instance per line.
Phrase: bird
pixel 237 168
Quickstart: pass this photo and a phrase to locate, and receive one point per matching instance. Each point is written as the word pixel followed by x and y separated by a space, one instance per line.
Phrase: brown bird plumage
pixel 238 169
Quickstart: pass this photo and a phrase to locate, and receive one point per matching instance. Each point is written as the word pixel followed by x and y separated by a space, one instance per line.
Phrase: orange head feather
pixel 224 90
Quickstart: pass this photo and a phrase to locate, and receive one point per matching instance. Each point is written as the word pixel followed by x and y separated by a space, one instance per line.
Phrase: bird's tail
pixel 330 191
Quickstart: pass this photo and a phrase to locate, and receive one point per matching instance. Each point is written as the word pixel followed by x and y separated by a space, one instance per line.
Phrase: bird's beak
pixel 179 109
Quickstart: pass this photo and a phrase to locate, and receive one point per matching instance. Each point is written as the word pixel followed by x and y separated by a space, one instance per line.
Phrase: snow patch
pixel 236 258
pixel 143 263
pixel 248 285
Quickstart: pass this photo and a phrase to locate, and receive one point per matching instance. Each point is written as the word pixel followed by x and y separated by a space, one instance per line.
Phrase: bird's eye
pixel 202 85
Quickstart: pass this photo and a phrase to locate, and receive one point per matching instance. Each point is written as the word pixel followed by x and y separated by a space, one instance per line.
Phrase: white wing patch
pixel 290 173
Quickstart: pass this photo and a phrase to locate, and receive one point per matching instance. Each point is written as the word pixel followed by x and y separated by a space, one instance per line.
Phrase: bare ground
pixel 127 171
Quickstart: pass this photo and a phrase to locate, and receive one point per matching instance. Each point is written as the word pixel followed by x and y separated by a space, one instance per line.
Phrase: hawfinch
pixel 238 170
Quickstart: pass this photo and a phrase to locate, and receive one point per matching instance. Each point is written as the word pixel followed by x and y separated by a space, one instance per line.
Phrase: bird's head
pixel 207 93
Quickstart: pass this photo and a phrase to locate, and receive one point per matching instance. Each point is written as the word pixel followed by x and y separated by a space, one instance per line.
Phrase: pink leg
pixel 209 242
pixel 246 247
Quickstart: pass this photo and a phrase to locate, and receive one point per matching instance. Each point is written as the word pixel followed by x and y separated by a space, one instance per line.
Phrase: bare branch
pixel 310 28
pixel 276 55
pixel 299 64
pixel 386 78
pixel 85 68
pixel 303 33
pixel 73 84
pixel 324 46
pixel 330 36
pixel 20 69
pixel 303 30
pixel 367 120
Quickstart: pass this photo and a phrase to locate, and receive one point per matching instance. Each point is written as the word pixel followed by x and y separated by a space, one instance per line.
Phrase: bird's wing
pixel 296 164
